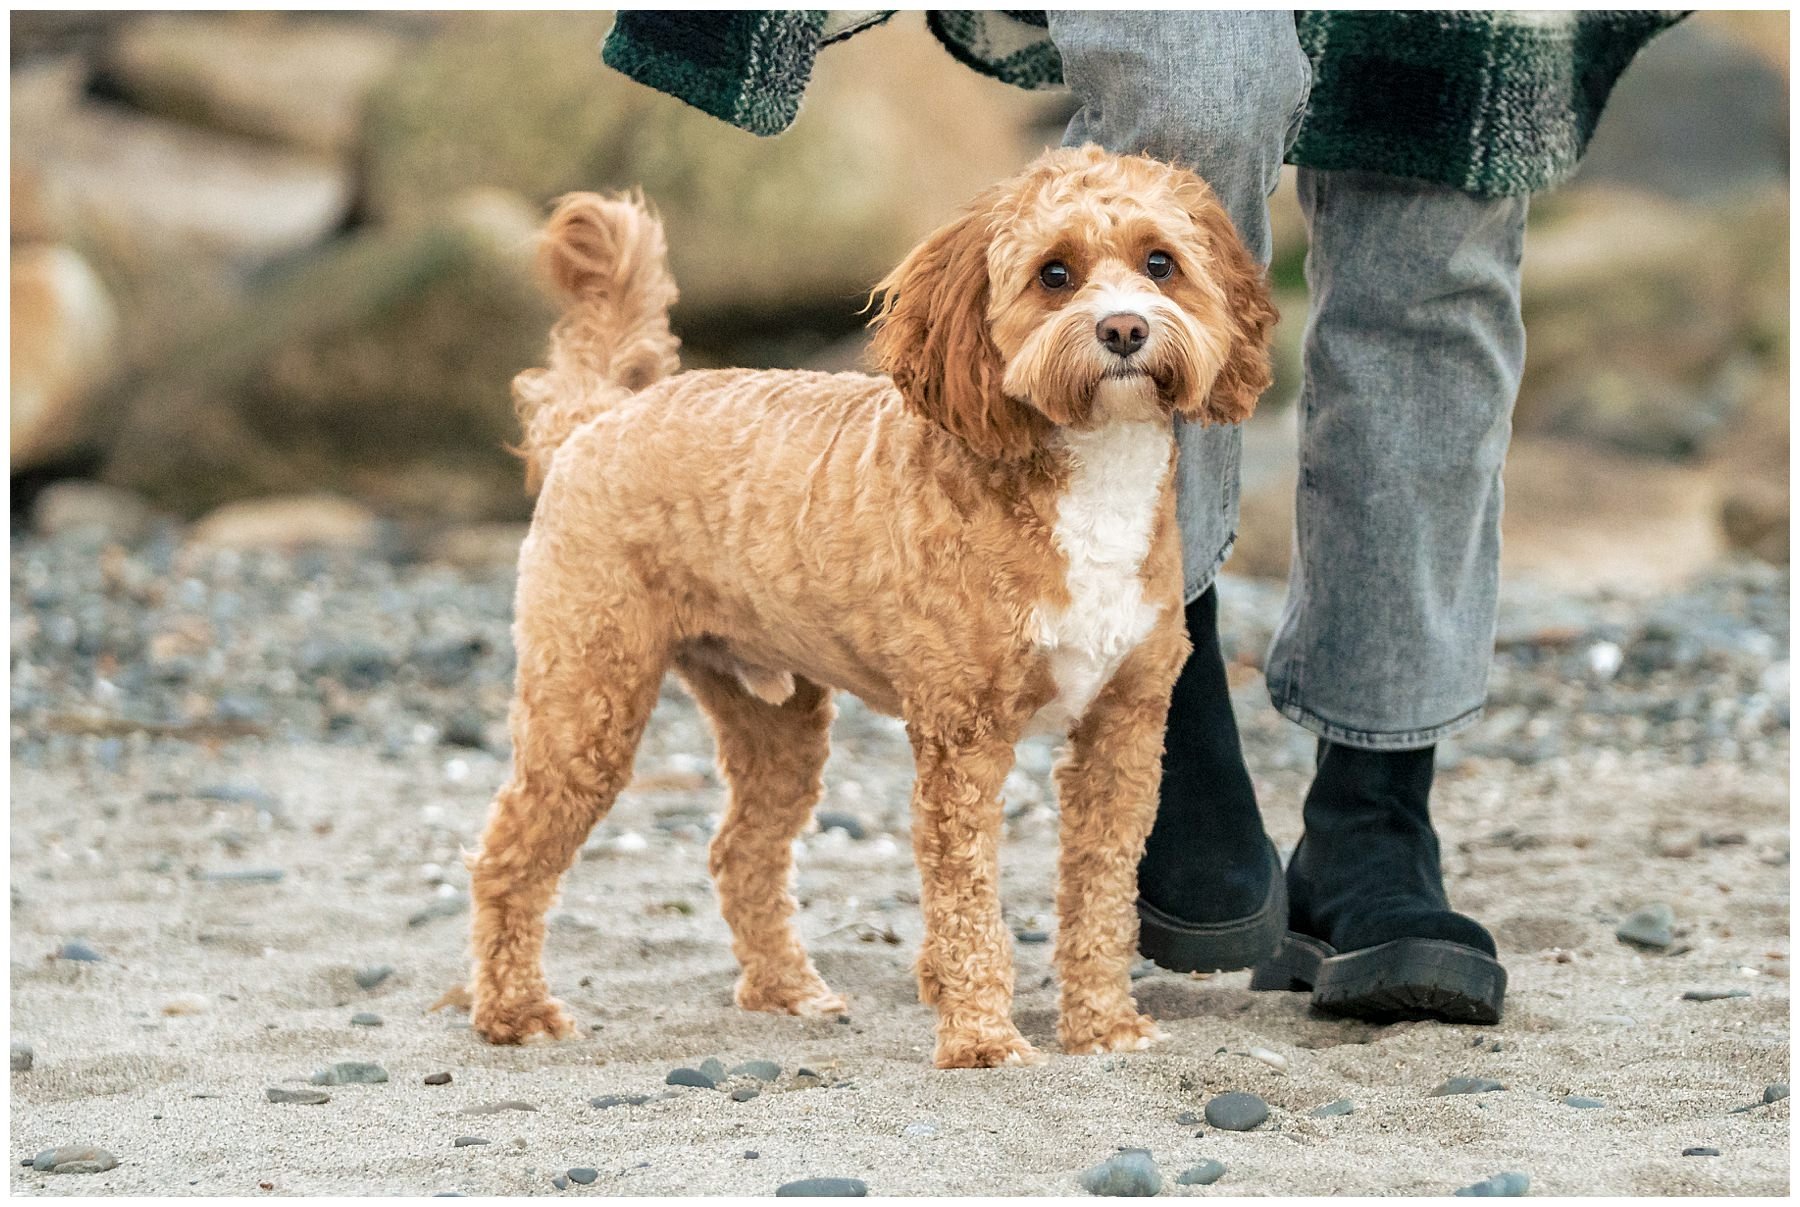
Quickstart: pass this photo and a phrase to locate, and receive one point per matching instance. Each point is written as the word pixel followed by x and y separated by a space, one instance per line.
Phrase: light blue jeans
pixel 1413 351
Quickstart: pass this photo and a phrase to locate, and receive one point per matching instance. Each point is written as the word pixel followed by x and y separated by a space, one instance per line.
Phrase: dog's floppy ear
pixel 932 339
pixel 1246 372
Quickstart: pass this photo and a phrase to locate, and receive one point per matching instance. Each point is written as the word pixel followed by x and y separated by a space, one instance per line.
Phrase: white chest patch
pixel 1104 522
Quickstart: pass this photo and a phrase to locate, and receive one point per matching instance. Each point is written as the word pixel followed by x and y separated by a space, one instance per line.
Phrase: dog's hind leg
pixel 773 757
pixel 587 680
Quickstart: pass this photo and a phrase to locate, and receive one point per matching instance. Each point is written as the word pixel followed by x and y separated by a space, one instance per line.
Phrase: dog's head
pixel 1091 287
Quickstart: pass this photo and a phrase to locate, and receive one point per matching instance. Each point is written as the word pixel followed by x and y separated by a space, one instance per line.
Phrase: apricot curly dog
pixel 982 543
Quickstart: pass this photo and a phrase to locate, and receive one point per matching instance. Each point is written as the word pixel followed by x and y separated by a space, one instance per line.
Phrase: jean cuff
pixel 1365 739
pixel 1196 586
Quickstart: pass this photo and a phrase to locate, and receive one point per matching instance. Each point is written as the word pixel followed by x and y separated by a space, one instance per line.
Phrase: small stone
pixel 1203 1174
pixel 1583 1104
pixel 351 1072
pixel 583 1175
pixel 713 1068
pixel 466 1141
pixel 752 1155
pixel 437 1079
pixel 762 1070
pixel 1236 1111
pixel 75 1158
pixel 80 952
pixel 919 1131
pixel 187 1003
pixel 1713 995
pixel 1343 1106
pixel 297 1097
pixel 1274 1060
pixel 1500 1186
pixel 1129 1175
pixel 1188 1119
pixel 495 1108
pixel 607 1101
pixel 686 1076
pixel 744 1095
pixel 560 1182
pixel 21 1056
pixel 246 876
pixel 1651 926
pixel 823 1188
pixel 368 978
pixel 803 1071
pixel 1466 1085
pixel 1700 1152
pixel 443 907
pixel 1772 1093
pixel 829 820
pixel 365 1018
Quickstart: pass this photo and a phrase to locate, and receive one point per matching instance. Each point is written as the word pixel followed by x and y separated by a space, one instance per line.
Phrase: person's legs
pixel 1413 356
pixel 1221 93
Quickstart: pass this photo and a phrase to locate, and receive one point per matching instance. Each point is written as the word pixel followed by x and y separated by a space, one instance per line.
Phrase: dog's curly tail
pixel 609 260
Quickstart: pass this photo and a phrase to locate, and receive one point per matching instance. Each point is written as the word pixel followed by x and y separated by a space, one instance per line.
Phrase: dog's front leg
pixel 1107 786
pixel 965 963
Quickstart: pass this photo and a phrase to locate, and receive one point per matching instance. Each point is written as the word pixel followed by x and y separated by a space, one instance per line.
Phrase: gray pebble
pixel 297 1097
pixel 744 1095
pixel 1343 1106
pixel 1700 1152
pixel 368 978
pixel 1500 1186
pixel 74 1158
pixel 495 1108
pixel 1187 1119
pixel 1651 926
pixel 443 907
pixel 1466 1085
pixel 1129 1175
pixel 1772 1093
pixel 1583 1104
pixel 467 1141
pixel 714 1068
pixel 1236 1111
pixel 365 1018
pixel 829 820
pixel 351 1072
pixel 823 1188
pixel 76 950
pixel 1203 1174
pixel 437 1079
pixel 560 1182
pixel 693 1077
pixel 1713 995
pixel 762 1070
pixel 584 1175
pixel 21 1056
pixel 246 876
pixel 606 1101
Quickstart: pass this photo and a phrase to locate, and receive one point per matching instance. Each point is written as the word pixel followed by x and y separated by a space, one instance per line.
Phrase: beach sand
pixel 1552 856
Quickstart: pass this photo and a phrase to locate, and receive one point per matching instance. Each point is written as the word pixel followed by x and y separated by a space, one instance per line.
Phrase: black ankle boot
pixel 1370 930
pixel 1210 893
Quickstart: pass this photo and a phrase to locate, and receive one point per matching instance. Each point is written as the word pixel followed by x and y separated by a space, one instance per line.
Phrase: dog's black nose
pixel 1123 333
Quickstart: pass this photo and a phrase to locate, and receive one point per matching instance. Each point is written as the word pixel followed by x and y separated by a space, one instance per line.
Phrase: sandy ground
pixel 1552 856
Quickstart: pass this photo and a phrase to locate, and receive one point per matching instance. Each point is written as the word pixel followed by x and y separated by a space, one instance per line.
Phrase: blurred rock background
pixel 273 269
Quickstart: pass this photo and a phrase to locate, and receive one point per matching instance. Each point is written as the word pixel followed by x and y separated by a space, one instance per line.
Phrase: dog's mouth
pixel 1125 370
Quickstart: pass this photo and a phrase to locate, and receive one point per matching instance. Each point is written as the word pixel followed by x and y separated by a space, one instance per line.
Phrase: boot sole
pixel 1182 946
pixel 1402 979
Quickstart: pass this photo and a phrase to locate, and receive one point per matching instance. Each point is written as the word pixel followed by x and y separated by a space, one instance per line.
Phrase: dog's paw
pixel 1094 1035
pixel 991 1049
pixel 807 997
pixel 539 1021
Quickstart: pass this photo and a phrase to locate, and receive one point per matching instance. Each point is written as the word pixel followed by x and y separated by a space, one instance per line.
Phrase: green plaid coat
pixel 1493 103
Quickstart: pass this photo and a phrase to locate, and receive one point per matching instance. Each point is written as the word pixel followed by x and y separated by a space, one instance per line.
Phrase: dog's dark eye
pixel 1054 275
pixel 1159 264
